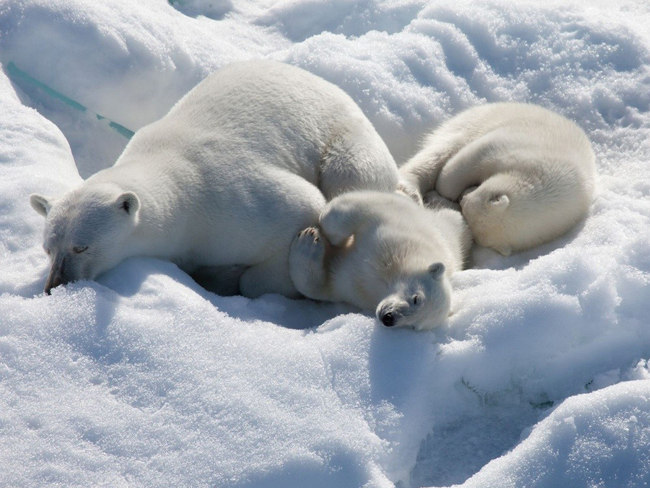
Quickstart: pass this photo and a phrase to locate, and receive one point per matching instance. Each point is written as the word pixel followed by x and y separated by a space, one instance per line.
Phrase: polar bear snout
pixel 389 312
pixel 388 319
pixel 53 280
pixel 66 267
pixel 58 274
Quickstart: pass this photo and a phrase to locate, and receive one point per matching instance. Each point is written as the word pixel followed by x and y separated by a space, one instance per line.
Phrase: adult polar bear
pixel 523 174
pixel 228 177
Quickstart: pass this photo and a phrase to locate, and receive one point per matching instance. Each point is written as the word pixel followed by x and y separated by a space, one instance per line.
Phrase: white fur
pixel 378 251
pixel 239 165
pixel 523 175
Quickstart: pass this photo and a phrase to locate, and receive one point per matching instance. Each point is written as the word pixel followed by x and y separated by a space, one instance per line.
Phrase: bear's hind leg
pixel 473 164
pixel 271 276
pixel 418 176
pixel 308 264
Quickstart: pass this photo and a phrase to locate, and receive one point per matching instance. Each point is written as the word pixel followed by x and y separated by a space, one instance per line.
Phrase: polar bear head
pixel 85 231
pixel 421 300
pixel 491 211
pixel 518 210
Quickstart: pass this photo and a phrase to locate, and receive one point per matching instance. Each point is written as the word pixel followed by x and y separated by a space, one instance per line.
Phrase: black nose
pixel 388 319
pixel 53 282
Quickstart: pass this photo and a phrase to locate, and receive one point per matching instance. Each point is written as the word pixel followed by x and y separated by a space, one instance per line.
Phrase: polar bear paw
pixel 309 246
pixel 307 263
pixel 410 191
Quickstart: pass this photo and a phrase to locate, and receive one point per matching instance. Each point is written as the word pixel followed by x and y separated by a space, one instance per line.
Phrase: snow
pixel 600 439
pixel 540 378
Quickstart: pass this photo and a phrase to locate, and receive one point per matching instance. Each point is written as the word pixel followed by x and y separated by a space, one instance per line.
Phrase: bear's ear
pixel 500 201
pixel 128 202
pixel 436 270
pixel 40 203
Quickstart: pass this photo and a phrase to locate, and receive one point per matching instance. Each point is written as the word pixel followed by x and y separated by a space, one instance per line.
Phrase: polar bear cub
pixel 227 178
pixel 523 175
pixel 383 253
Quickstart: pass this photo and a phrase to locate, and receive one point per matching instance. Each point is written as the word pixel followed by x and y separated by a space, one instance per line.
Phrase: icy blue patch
pixel 213 9
pixel 21 77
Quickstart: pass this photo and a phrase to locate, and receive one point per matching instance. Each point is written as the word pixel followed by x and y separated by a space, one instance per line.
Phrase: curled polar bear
pixel 227 178
pixel 382 253
pixel 523 175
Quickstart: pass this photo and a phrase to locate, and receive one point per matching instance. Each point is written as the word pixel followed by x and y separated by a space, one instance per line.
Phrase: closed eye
pixel 79 249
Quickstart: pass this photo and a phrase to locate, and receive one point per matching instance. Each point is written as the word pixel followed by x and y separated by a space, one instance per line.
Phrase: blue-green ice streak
pixel 19 75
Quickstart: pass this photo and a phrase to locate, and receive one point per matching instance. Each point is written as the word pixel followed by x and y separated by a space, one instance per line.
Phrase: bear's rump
pixel 254 224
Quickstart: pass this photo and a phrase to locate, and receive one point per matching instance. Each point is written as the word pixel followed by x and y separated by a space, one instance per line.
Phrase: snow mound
pixel 598 439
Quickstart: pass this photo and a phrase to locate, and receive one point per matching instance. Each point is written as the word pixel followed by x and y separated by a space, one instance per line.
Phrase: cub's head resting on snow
pixel 384 254
pixel 421 301
pixel 85 231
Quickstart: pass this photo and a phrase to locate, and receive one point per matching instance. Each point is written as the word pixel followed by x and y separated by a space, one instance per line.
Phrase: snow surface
pixel 539 379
